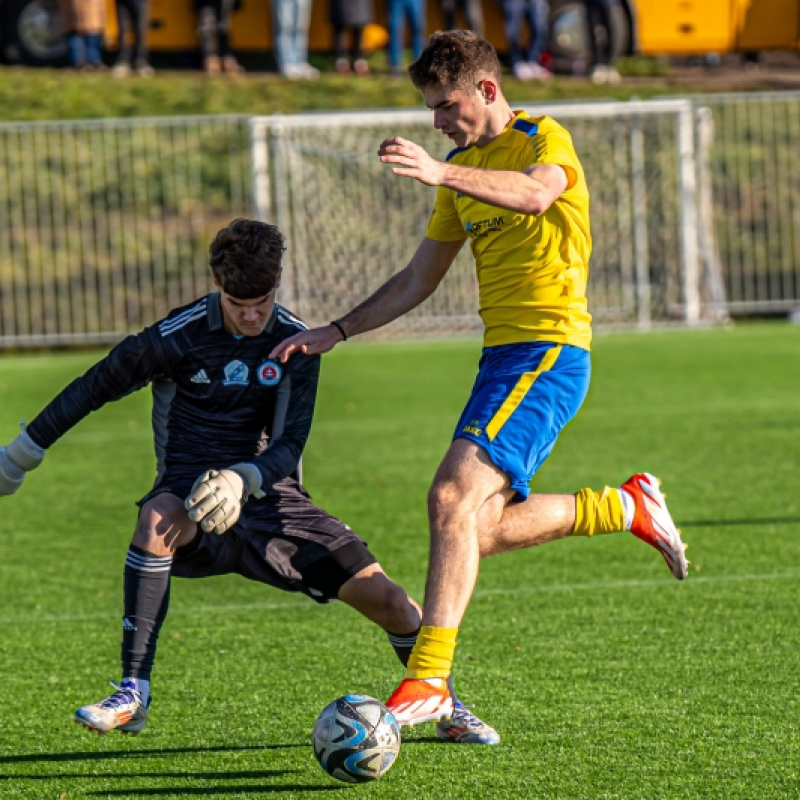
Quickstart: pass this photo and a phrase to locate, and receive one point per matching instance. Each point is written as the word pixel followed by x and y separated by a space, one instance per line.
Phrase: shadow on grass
pixel 217 790
pixel 726 523
pixel 180 778
pixel 188 775
pixel 96 755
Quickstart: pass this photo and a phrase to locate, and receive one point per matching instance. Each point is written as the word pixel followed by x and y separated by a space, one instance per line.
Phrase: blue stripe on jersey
pixel 289 319
pixel 527 127
pixel 169 326
pixel 453 152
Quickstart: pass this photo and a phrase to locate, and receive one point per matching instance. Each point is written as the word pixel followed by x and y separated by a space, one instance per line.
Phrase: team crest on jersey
pixel 235 374
pixel 269 373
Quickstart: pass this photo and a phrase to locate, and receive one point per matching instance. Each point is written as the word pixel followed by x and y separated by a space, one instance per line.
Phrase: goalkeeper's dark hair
pixel 456 59
pixel 245 258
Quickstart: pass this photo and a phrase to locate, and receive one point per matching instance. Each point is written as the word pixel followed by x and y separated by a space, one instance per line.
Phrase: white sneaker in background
pixel 521 71
pixel 536 72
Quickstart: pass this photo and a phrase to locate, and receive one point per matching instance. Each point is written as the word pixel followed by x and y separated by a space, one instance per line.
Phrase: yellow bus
pixel 30 30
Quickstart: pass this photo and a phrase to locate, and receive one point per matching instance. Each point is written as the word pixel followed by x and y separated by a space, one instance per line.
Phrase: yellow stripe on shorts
pixel 517 395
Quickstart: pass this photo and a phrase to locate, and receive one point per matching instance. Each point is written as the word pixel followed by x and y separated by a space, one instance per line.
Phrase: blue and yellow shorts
pixel 523 397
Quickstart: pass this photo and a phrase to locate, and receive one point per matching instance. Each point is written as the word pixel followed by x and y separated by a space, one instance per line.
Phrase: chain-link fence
pixel 106 224
pixel 755 172
pixel 695 211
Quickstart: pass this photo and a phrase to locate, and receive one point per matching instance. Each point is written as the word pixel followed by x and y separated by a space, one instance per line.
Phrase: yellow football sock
pixel 598 512
pixel 432 656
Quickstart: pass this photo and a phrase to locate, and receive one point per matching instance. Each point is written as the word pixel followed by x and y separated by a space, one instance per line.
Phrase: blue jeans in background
pixel 537 14
pixel 399 12
pixel 291 20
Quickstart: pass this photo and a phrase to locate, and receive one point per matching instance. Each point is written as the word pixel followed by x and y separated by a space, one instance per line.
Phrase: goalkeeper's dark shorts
pixel 282 539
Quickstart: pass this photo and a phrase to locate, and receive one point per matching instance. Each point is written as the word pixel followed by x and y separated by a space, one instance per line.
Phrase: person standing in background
pixel 132 15
pixel 601 41
pixel 84 22
pixel 352 15
pixel 526 62
pixel 214 32
pixel 290 19
pixel 471 10
pixel 399 11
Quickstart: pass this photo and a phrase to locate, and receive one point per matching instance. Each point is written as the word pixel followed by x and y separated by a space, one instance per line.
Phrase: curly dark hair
pixel 245 258
pixel 457 59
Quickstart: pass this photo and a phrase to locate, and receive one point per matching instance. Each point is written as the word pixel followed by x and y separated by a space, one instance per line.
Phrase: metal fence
pixel 755 173
pixel 106 224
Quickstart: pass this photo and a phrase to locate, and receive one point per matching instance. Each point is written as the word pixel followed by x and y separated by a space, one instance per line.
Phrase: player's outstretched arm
pixel 20 456
pixel 402 292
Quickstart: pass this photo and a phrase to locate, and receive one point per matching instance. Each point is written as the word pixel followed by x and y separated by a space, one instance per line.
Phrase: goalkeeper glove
pixel 217 497
pixel 21 456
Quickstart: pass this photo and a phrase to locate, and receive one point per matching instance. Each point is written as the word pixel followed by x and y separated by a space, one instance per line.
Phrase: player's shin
pixel 598 512
pixel 145 604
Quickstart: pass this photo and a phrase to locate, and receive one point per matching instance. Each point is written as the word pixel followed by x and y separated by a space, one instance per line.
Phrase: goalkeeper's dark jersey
pixel 217 399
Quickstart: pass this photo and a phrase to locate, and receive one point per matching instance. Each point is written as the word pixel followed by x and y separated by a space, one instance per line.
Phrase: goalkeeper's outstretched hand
pixel 217 497
pixel 21 456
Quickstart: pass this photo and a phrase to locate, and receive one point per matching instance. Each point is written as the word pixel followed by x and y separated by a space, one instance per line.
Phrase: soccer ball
pixel 356 738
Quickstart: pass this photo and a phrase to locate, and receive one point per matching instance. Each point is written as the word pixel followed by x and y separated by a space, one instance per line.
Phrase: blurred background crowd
pixel 117 35
pixel 357 37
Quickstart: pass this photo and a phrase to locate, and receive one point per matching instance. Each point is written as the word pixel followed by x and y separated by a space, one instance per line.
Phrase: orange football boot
pixel 418 700
pixel 653 524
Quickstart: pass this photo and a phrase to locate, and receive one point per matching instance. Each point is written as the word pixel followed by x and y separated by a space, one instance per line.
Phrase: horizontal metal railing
pixel 106 223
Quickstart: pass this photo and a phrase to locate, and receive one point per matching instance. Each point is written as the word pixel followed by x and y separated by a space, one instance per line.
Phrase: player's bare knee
pixel 445 504
pixel 163 525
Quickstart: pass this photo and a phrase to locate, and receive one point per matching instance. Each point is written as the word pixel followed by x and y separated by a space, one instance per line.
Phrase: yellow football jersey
pixel 532 270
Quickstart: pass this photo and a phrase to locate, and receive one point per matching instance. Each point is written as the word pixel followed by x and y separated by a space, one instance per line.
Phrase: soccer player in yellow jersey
pixel 514 187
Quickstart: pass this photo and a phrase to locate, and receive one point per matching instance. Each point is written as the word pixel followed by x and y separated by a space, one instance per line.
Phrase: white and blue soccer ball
pixel 356 738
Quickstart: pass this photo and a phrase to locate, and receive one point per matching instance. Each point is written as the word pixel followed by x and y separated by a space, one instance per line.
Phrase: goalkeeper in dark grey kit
pixel 229 428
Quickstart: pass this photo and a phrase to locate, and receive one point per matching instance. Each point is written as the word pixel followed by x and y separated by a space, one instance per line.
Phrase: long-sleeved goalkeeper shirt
pixel 218 399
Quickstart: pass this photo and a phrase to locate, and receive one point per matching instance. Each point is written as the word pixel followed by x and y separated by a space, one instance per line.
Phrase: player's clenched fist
pixel 217 497
pixel 21 456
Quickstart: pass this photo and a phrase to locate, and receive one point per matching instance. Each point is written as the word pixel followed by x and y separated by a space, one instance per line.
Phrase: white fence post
pixel 687 208
pixel 259 165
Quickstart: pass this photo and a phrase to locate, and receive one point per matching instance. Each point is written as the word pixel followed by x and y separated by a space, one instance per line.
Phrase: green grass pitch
pixel 605 677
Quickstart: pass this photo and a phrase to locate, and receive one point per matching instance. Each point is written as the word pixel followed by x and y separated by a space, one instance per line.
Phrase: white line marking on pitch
pixel 546 589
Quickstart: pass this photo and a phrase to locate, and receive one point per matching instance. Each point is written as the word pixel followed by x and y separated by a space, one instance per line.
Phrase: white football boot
pixel 123 711
pixel 465 728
